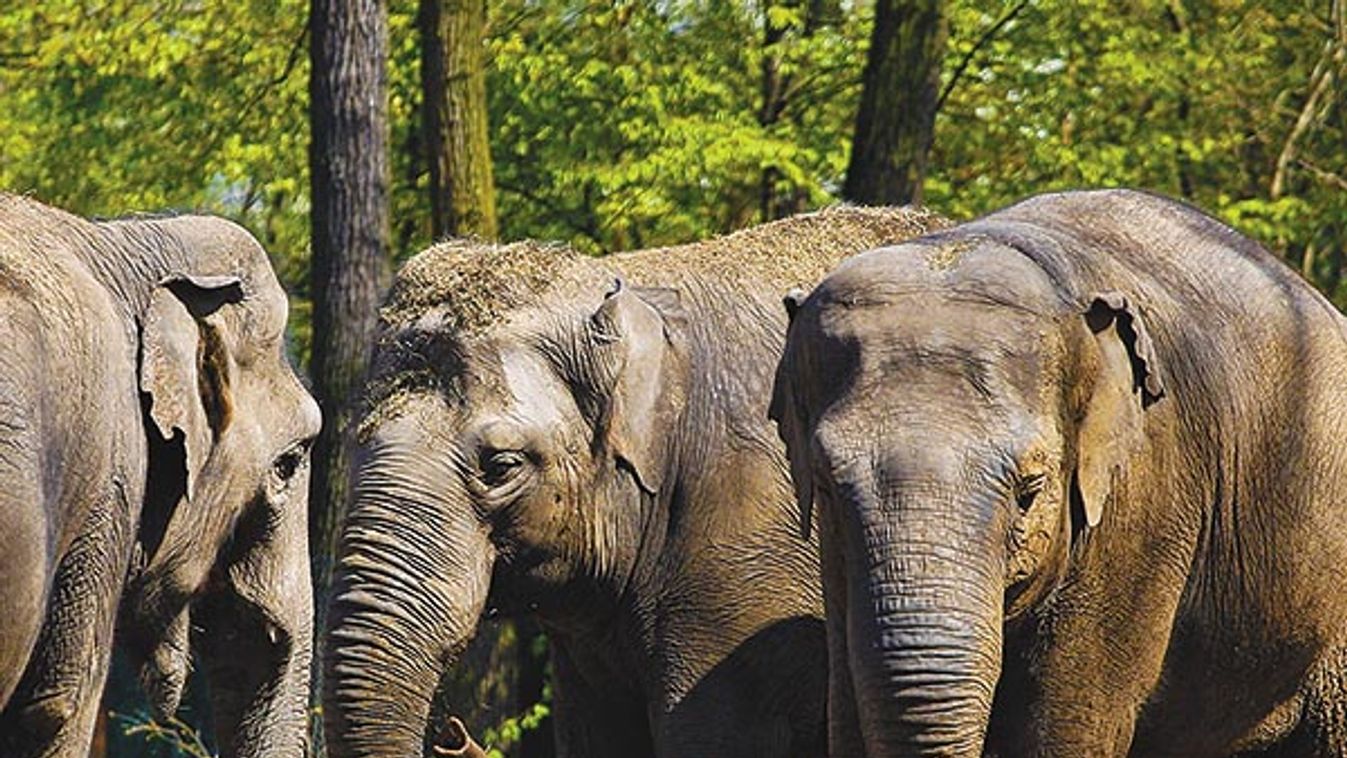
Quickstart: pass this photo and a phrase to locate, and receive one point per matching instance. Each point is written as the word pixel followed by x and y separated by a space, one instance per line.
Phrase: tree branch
pixel 1323 175
pixel 1320 81
pixel 968 57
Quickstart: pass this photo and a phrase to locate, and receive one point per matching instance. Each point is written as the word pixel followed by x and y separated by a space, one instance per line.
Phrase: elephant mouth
pixel 454 741
pixel 237 638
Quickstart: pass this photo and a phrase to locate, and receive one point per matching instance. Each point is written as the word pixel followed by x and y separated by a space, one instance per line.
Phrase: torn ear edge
pixel 1112 425
pixel 1115 308
pixel 184 376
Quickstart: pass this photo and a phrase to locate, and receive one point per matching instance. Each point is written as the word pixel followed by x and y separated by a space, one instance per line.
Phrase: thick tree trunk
pixel 896 119
pixel 348 162
pixel 453 84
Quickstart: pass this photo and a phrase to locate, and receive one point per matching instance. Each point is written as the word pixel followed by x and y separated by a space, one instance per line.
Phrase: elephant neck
pixel 725 492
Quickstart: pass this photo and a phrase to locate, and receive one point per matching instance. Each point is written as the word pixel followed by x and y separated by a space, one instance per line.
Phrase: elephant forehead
pixel 962 266
pixel 535 394
pixel 926 348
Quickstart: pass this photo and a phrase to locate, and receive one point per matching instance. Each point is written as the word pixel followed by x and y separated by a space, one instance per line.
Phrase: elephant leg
pixel 25 563
pixel 1322 728
pixel 26 559
pixel 56 705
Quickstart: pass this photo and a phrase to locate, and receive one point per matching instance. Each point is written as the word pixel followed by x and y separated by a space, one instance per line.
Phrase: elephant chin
pixel 164 674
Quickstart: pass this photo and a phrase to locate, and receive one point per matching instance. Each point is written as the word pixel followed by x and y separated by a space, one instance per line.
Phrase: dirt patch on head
pixel 467 285
pixel 450 294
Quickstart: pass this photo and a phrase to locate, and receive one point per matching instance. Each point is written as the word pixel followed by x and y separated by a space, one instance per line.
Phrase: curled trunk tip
pixel 456 742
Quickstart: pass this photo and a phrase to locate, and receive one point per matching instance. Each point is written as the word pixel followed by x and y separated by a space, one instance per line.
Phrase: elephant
pixel 153 478
pixel 583 442
pixel 1081 488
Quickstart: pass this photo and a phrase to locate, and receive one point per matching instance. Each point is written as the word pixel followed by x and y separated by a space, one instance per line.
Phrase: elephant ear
pixel 640 329
pixel 784 410
pixel 184 374
pixel 1127 383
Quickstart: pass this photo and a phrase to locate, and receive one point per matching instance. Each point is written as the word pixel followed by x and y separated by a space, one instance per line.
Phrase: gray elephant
pixel 585 442
pixel 1082 488
pixel 153 476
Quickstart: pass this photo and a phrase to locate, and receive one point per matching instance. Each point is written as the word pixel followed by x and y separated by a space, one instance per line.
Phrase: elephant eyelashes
pixel 500 466
pixel 1026 489
pixel 286 465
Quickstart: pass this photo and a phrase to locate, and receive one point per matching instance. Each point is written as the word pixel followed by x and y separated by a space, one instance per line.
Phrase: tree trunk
pixel 896 119
pixel 348 162
pixel 453 84
pixel 771 204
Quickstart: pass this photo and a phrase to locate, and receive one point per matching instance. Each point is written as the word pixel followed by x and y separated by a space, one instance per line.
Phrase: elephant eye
pixel 289 462
pixel 1027 488
pixel 499 466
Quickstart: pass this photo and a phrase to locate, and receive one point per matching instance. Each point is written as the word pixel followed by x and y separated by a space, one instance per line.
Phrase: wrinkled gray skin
pixel 153 466
pixel 1082 488
pixel 599 460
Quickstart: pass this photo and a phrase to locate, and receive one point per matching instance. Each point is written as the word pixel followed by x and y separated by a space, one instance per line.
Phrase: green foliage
pixel 139 106
pixel 621 125
pixel 1197 100
pixel 499 740
pixel 172 739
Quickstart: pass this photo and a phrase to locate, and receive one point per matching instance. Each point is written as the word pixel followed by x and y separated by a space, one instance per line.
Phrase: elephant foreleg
pixel 56 705
pixel 1320 731
pixel 593 723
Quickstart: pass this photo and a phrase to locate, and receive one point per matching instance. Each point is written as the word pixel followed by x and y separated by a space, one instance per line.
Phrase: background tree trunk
pixel 348 161
pixel 896 118
pixel 453 83
pixel 771 203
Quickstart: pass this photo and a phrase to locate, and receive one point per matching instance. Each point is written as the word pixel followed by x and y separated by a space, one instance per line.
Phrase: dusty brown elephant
pixel 1082 483
pixel 153 467
pixel 585 442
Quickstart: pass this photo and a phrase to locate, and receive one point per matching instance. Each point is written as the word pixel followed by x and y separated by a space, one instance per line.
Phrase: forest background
pixel 620 124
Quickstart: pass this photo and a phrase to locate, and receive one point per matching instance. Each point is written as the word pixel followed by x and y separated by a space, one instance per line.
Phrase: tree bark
pixel 896 119
pixel 348 163
pixel 454 117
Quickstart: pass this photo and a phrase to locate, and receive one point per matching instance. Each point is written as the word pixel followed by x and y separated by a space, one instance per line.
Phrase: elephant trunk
pixel 411 583
pixel 259 677
pixel 256 638
pixel 925 629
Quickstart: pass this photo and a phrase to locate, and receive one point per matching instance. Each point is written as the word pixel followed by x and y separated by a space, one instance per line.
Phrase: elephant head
pixel 513 444
pixel 963 419
pixel 221 562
